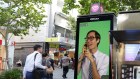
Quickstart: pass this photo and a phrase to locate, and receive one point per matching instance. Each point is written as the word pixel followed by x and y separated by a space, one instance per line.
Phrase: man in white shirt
pixel 92 62
pixel 32 62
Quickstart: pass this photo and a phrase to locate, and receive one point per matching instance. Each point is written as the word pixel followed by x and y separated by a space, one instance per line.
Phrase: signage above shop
pixel 52 45
pixel 53 39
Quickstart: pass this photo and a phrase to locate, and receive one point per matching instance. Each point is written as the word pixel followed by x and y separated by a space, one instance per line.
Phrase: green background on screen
pixel 103 27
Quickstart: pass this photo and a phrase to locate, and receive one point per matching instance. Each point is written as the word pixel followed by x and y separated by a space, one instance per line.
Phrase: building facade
pixel 55 35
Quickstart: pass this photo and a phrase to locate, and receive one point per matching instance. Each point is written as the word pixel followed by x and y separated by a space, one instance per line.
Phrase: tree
pixel 18 16
pixel 72 24
pixel 109 5
pixel 83 6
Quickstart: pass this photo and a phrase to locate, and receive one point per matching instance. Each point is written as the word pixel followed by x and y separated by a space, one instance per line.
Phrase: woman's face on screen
pixel 92 41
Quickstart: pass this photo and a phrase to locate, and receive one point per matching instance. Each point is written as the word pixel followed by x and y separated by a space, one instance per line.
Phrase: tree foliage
pixel 109 5
pixel 18 16
pixel 83 6
pixel 72 24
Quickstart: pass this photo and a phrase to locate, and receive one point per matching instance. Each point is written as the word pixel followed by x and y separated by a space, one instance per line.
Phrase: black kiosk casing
pixel 95 18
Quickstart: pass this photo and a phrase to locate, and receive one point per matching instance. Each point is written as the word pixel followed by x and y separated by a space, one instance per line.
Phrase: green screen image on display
pixel 103 28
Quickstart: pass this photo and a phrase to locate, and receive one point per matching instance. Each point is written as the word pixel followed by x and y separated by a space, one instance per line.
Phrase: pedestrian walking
pixel 61 62
pixel 65 64
pixel 52 62
pixel 33 63
pixel 48 73
pixel 73 63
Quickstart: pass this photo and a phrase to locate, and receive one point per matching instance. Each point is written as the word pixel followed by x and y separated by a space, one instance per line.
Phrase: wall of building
pixel 53 9
pixel 54 18
pixel 2 50
pixel 2 55
pixel 61 20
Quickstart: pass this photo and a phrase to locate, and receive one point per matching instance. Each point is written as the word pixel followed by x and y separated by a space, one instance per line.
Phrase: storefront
pixel 2 56
pixel 11 44
pixel 58 46
pixel 22 49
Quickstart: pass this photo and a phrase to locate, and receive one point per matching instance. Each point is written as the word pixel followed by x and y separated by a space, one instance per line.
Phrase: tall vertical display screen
pixel 93 46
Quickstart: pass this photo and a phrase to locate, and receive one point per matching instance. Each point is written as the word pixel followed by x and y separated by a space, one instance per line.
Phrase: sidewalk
pixel 57 74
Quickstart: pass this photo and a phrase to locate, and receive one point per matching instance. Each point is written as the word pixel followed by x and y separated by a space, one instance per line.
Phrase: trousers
pixel 29 75
pixel 65 71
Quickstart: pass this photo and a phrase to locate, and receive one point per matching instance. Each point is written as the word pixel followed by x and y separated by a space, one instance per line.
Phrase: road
pixel 58 74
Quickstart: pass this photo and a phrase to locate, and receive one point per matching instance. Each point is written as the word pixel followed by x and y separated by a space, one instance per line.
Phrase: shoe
pixel 63 76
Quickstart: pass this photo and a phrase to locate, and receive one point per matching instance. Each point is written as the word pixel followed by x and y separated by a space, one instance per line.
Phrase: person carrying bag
pixel 48 73
pixel 33 65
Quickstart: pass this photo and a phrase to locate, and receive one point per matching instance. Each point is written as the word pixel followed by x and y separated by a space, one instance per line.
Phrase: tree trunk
pixel 6 48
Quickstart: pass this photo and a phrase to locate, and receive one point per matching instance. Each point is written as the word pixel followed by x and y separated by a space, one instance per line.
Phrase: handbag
pixel 36 71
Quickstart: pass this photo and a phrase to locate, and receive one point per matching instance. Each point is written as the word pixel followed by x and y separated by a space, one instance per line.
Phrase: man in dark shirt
pixel 52 62
pixel 48 74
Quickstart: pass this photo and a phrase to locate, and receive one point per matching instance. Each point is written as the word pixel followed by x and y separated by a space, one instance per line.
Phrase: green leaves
pixel 69 5
pixel 21 15
pixel 109 5
pixel 11 74
pixel 72 24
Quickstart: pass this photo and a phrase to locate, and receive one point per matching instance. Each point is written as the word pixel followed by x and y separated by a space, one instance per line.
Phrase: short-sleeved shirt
pixel 102 63
pixel 65 61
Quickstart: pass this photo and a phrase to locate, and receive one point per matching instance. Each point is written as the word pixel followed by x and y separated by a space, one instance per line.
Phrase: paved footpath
pixel 58 74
